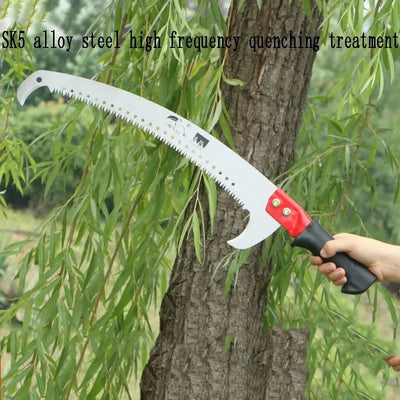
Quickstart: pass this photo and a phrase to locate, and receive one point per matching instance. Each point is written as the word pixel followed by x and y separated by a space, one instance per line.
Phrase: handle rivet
pixel 286 212
pixel 276 203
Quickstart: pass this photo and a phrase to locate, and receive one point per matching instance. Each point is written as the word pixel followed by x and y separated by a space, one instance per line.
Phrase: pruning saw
pixel 269 207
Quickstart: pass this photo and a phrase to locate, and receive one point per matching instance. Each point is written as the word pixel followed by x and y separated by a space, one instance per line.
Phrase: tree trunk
pixel 190 359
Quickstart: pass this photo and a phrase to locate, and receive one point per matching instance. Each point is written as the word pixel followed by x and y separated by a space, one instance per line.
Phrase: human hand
pixel 393 361
pixel 381 258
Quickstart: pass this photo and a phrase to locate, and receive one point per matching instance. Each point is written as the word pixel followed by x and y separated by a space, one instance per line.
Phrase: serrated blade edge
pixel 239 178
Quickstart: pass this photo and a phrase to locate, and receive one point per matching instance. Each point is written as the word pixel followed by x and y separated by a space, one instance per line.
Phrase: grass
pixel 22 220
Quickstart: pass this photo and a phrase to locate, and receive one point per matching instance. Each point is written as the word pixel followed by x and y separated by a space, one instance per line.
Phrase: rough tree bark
pixel 188 361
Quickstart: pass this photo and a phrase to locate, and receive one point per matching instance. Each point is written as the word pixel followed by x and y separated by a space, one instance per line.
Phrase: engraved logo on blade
pixel 200 140
pixel 177 125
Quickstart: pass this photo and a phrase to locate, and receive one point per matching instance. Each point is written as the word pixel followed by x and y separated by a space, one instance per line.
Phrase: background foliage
pixel 347 172
pixel 117 198
pixel 39 128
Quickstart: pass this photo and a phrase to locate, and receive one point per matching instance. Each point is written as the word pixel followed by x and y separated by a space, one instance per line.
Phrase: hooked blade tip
pixel 20 96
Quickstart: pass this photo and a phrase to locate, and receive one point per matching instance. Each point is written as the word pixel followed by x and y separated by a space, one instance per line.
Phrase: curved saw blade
pixel 246 184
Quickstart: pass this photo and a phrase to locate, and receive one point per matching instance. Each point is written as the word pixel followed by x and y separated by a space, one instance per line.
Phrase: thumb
pixel 341 243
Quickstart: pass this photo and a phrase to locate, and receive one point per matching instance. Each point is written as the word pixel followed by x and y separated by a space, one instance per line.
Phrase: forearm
pixel 390 263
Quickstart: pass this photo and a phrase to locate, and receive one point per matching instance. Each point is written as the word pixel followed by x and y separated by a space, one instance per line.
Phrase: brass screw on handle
pixel 276 203
pixel 285 212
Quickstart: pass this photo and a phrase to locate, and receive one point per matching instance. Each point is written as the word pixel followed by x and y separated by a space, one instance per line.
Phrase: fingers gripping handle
pixel 359 277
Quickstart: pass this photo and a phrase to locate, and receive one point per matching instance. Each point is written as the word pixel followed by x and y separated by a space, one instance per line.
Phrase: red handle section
pixel 288 213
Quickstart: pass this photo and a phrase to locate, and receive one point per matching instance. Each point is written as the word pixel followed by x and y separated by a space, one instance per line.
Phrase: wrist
pixel 390 267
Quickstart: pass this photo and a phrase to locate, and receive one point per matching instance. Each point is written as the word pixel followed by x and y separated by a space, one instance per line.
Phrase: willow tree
pixel 144 224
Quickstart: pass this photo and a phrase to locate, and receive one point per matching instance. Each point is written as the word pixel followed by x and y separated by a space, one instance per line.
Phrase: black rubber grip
pixel 359 277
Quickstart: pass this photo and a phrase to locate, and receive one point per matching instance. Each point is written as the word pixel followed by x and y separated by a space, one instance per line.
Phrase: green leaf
pixel 216 11
pixel 392 309
pixel 118 16
pixel 196 236
pixel 51 178
pixel 241 3
pixel 216 116
pixel 232 81
pixel 307 8
pixel 236 263
pixel 225 123
pixel 228 342
pixel 212 195
pixel 93 208
pixel 395 16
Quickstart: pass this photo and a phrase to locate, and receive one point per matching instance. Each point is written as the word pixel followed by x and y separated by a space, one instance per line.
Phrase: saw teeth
pixel 104 106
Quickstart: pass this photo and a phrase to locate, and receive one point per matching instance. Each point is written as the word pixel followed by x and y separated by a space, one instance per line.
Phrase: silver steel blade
pixel 245 183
